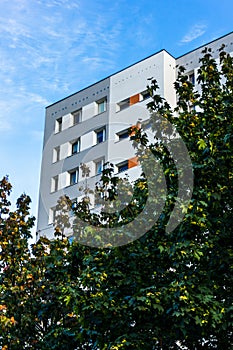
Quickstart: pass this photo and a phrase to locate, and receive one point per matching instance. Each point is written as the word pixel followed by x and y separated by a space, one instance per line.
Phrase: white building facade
pixel 91 126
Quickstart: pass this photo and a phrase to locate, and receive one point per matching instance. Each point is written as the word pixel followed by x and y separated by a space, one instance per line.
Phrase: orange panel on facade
pixel 134 99
pixel 134 128
pixel 132 162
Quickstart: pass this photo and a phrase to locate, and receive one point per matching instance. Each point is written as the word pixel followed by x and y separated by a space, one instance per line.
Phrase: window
pixel 73 207
pixel 123 104
pixel 77 117
pixel 75 147
pixel 58 125
pixel 191 78
pixel 100 135
pixel 127 164
pixel 52 215
pixel 56 154
pixel 123 166
pixel 128 102
pixel 73 176
pixel 54 184
pixel 124 134
pixel 102 105
pixel 145 95
pixel 99 166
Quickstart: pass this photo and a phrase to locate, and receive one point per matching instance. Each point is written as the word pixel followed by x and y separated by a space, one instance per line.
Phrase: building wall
pixel 131 83
pixel 126 99
pixel 85 130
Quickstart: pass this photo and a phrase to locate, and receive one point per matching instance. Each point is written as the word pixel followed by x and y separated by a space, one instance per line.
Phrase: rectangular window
pixel 100 135
pixel 74 176
pixel 77 116
pixel 56 154
pixel 145 95
pixel 52 215
pixel 128 102
pixel 76 146
pixel 191 78
pixel 123 104
pixel 102 105
pixel 99 166
pixel 123 166
pixel 73 207
pixel 58 125
pixel 54 184
pixel 124 134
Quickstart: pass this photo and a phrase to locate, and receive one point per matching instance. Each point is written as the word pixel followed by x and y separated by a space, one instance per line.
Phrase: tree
pixel 168 290
pixel 32 315
pixel 16 277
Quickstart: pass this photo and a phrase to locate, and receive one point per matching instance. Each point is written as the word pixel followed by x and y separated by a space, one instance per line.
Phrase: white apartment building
pixel 90 127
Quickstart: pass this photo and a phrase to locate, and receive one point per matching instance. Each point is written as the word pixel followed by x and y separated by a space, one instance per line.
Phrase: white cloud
pixel 49 49
pixel 57 3
pixel 195 32
pixel 14 29
pixel 5 109
pixel 17 107
pixel 35 98
pixel 96 62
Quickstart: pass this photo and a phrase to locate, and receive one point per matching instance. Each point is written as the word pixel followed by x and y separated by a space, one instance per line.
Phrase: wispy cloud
pixel 5 123
pixel 35 98
pixel 195 32
pixel 18 106
pixel 53 48
pixel 13 28
pixel 60 3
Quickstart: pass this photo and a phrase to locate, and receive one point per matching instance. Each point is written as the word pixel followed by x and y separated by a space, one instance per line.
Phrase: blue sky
pixel 53 48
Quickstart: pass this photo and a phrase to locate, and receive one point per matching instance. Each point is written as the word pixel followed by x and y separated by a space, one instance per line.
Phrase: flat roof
pixel 133 64
pixel 199 47
pixel 99 81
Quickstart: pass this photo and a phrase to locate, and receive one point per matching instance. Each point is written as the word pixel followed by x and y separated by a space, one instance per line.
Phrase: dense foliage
pixel 165 290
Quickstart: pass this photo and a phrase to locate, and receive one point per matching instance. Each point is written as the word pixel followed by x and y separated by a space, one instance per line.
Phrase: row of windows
pixel 127 164
pixel 72 177
pixel 132 100
pixel 76 117
pixel 54 212
pixel 74 147
pixel 100 107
